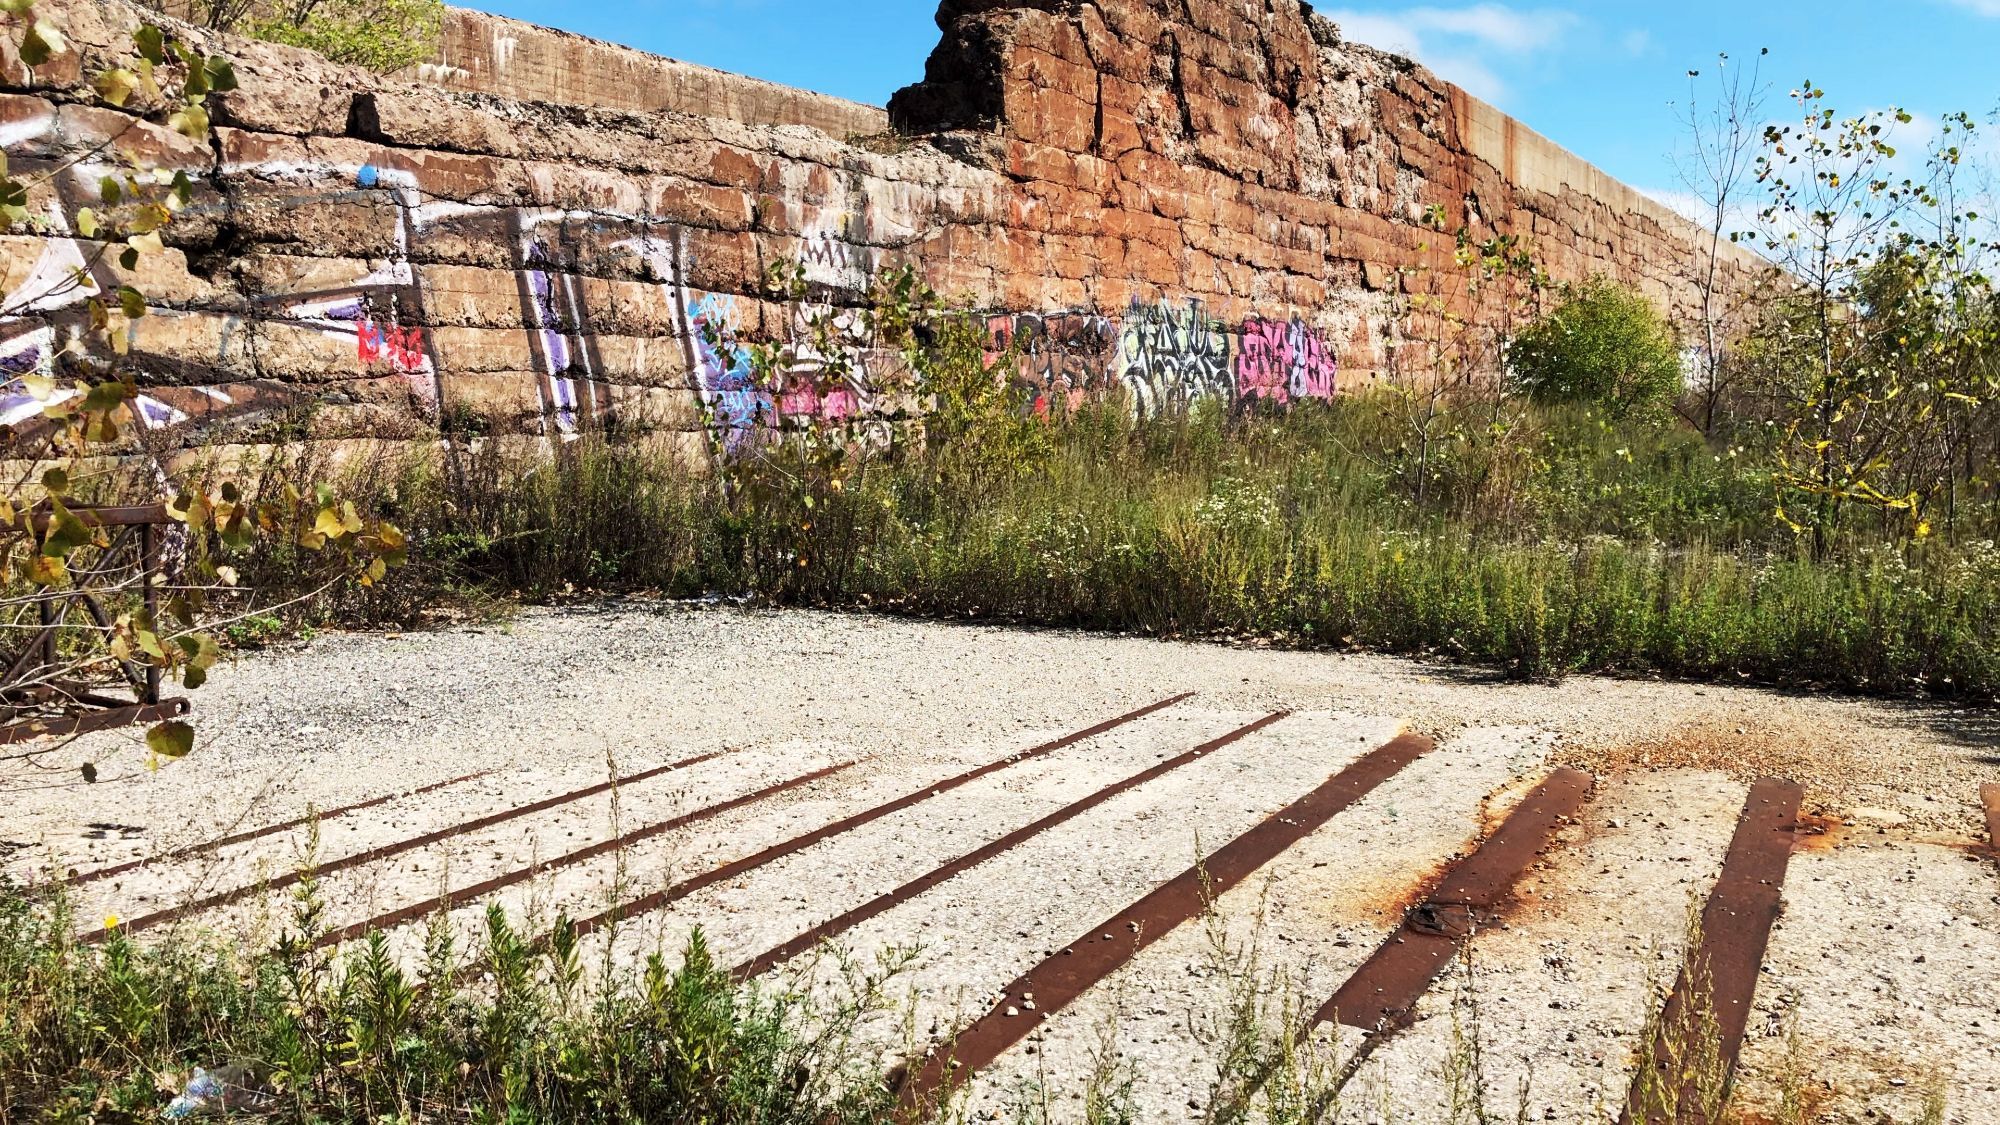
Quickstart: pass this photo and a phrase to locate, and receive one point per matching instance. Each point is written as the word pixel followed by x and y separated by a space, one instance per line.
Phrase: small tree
pixel 87 399
pixel 1718 155
pixel 1604 344
pixel 1450 319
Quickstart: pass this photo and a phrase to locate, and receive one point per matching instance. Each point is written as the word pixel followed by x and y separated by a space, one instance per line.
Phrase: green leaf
pixel 41 42
pixel 171 740
pixel 115 86
pixel 131 302
pixel 191 121
pixel 86 222
pixel 128 258
pixel 221 74
pixel 109 191
pixel 151 43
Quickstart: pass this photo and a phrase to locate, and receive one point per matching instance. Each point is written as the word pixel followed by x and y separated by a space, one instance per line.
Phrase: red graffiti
pixel 403 348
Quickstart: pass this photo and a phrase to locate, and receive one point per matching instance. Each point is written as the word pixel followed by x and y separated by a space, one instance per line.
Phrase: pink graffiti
pixel 403 348
pixel 1284 361
pixel 805 400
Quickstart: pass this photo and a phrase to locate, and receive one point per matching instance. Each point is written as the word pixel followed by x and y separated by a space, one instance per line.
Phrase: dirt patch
pixel 1841 765
pixel 1819 832
pixel 1833 1081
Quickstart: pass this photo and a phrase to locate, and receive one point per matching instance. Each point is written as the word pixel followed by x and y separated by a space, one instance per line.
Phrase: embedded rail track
pixel 1055 880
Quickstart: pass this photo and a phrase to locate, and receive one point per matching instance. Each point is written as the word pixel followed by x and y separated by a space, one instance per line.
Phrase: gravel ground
pixel 1891 939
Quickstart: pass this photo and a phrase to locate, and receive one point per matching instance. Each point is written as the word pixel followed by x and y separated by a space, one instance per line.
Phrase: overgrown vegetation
pixel 502 1031
pixel 1605 345
pixel 1470 523
pixel 381 35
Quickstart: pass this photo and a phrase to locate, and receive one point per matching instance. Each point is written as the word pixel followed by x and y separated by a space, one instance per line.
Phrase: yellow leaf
pixel 47 570
pixel 329 524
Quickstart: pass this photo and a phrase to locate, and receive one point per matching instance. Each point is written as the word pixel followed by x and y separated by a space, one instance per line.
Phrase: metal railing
pixel 45 692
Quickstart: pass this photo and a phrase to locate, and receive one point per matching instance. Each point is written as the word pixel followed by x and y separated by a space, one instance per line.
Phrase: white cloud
pixel 1978 7
pixel 1460 43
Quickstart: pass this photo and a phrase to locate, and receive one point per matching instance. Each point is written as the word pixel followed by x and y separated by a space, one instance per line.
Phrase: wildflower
pixel 111 921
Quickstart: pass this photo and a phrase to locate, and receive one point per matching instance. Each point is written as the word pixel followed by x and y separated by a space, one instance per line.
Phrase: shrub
pixel 382 35
pixel 1605 344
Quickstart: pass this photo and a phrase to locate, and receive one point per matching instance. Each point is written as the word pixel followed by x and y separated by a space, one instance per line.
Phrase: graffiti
pixel 552 307
pixel 1164 354
pixel 1283 361
pixel 831 259
pixel 351 312
pixel 377 308
pixel 818 385
pixel 401 348
pixel 1172 356
pixel 735 404
pixel 1062 357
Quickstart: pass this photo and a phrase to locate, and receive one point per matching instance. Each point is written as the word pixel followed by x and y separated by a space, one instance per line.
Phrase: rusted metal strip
pixel 78 879
pixel 93 720
pixel 137 515
pixel 964 863
pixel 1383 992
pixel 1989 795
pixel 290 878
pixel 1101 950
pixel 731 870
pixel 444 901
pixel 1719 981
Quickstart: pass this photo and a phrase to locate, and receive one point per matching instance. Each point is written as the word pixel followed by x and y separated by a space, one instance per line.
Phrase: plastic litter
pixel 213 1092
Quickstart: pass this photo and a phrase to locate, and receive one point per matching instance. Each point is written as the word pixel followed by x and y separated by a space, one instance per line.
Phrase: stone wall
pixel 495 55
pixel 1180 197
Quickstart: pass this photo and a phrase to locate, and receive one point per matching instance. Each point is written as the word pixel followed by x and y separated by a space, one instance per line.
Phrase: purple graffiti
pixel 559 399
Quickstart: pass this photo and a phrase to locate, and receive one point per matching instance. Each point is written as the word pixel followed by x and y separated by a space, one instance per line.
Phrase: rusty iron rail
pixel 77 879
pixel 1382 994
pixel 291 878
pixel 1106 947
pixel 1721 975
pixel 405 914
pixel 677 891
pixel 884 902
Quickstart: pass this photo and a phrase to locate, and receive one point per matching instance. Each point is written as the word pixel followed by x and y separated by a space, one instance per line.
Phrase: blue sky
pixel 1599 77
